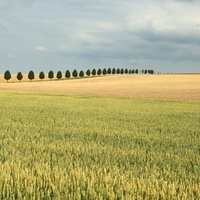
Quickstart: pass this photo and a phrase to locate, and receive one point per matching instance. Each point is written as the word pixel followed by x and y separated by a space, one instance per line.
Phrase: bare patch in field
pixel 169 87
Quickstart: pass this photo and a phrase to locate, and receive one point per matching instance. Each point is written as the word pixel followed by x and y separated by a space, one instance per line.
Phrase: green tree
pixel 81 73
pixel 122 71
pixel 126 71
pixel 7 75
pixel 130 71
pixel 59 75
pixel 113 71
pixel 151 71
pixel 118 71
pixel 99 72
pixel 31 75
pixel 88 72
pixel 51 74
pixel 136 71
pixel 94 72
pixel 67 74
pixel 75 73
pixel 41 75
pixel 142 71
pixel 104 71
pixel 19 76
pixel 109 71
pixel 145 71
pixel 133 71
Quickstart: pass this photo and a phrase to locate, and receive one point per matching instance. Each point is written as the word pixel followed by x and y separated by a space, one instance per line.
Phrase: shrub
pixel 118 71
pixel 51 74
pixel 7 75
pixel 59 75
pixel 130 71
pixel 67 74
pixel 122 71
pixel 136 71
pixel 19 76
pixel 126 71
pixel 31 75
pixel 133 71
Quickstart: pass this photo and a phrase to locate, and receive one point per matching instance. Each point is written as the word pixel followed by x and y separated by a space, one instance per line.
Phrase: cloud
pixel 154 30
pixel 107 32
pixel 41 49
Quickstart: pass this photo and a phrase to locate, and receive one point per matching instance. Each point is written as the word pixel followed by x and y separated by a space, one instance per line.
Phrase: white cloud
pixel 41 49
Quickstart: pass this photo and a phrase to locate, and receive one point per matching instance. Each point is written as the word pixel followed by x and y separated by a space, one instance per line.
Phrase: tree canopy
pixel 7 75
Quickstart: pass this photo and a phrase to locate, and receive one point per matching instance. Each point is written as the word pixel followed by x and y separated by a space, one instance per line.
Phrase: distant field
pixel 57 146
pixel 183 87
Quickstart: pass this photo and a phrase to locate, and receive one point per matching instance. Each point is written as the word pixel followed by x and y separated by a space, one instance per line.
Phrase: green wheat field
pixel 80 147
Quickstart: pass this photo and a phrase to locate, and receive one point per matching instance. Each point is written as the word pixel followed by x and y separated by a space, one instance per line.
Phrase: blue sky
pixel 44 35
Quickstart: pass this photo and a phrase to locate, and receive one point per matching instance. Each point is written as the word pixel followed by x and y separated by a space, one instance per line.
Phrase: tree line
pixel 75 73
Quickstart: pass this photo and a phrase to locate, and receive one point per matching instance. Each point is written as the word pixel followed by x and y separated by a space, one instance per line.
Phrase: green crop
pixel 78 147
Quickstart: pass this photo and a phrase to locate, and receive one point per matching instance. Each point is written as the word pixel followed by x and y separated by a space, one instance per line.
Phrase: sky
pixel 44 35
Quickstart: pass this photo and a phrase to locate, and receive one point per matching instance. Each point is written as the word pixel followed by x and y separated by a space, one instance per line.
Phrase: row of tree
pixel 94 72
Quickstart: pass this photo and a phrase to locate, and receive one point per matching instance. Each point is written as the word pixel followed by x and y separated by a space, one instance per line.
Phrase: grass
pixel 81 147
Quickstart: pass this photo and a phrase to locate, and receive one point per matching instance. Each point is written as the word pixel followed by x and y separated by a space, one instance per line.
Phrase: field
pixel 87 144
pixel 167 87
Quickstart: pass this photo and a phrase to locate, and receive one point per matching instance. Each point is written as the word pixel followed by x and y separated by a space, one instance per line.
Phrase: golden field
pixel 181 87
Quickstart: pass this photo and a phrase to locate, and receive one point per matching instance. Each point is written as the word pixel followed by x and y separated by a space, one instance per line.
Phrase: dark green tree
pixel 88 72
pixel 7 75
pixel 142 71
pixel 130 71
pixel 145 71
pixel 94 72
pixel 109 71
pixel 59 75
pixel 151 71
pixel 126 71
pixel 75 73
pixel 118 71
pixel 31 75
pixel 81 73
pixel 113 71
pixel 133 71
pixel 67 74
pixel 51 74
pixel 136 71
pixel 19 76
pixel 41 75
pixel 99 72
pixel 122 71
pixel 104 71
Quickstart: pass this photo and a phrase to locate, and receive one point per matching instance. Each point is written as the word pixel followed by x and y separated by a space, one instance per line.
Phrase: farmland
pixel 62 145
pixel 166 86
